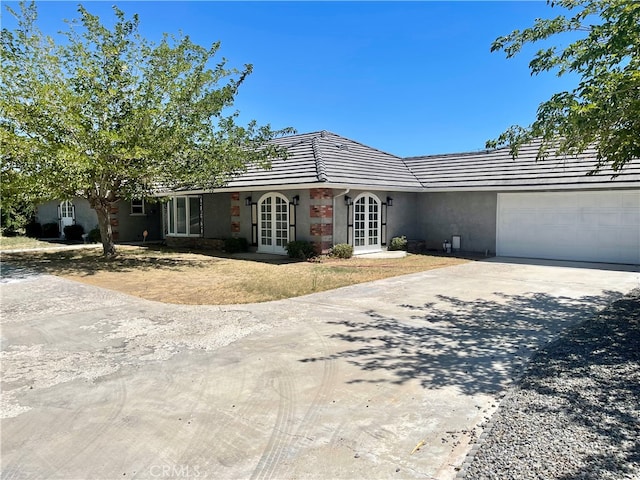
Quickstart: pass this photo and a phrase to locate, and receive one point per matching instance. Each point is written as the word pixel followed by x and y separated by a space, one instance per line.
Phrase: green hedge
pixel 301 249
pixel 342 250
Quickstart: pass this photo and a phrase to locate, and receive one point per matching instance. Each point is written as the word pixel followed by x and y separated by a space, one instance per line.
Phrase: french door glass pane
pixel 282 222
pixel 359 223
pixel 366 222
pixel 194 215
pixel 67 209
pixel 181 215
pixel 171 216
pixel 265 222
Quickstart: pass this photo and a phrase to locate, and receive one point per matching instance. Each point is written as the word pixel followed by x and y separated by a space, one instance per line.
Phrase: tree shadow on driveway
pixel 478 346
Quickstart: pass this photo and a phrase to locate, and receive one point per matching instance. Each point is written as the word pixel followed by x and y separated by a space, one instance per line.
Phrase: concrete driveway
pixel 391 379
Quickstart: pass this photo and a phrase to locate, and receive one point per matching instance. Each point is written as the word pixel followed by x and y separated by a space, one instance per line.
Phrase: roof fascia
pixel 296 186
pixel 570 186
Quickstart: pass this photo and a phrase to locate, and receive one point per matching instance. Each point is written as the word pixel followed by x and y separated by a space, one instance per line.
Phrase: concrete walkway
pixel 391 379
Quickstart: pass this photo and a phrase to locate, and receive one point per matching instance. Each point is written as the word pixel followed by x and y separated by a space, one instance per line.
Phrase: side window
pixel 137 206
pixel 184 216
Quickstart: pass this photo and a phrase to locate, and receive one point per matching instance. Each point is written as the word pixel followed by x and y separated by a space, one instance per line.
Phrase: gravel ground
pixel 575 413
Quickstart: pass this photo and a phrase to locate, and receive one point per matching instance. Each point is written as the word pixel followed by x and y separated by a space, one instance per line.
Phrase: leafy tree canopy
pixel 604 109
pixel 109 115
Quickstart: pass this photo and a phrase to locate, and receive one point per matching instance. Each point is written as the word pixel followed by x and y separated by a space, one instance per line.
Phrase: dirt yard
pixel 214 278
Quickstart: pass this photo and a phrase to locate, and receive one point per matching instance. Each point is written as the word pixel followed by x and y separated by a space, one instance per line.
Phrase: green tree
pixel 604 109
pixel 109 115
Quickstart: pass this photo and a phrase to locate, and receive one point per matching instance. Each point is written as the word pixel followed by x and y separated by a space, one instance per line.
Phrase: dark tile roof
pixel 497 169
pixel 324 157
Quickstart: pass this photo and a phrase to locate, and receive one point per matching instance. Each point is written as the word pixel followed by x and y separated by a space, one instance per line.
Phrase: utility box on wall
pixel 455 242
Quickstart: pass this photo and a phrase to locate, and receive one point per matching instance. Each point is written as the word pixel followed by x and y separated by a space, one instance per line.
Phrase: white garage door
pixel 584 226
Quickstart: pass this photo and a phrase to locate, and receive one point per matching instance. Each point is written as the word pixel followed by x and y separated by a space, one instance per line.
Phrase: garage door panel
pixel 585 226
pixel 631 200
pixel 631 217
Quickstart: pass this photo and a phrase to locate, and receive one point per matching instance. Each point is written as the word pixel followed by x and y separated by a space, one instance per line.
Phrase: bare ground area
pixel 215 278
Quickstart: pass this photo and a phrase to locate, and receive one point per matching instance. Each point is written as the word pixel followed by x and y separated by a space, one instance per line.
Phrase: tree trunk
pixel 103 209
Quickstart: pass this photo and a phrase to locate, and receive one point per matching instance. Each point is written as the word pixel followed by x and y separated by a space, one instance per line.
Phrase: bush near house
pixel 236 245
pixel 398 243
pixel 50 230
pixel 33 229
pixel 342 250
pixel 73 233
pixel 94 235
pixel 301 249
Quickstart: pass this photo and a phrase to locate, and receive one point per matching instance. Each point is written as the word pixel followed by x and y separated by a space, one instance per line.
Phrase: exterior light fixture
pixel 389 202
pixel 247 201
pixel 348 200
pixel 295 200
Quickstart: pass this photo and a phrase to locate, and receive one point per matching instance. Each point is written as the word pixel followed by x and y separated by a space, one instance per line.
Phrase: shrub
pixel 342 250
pixel 33 230
pixel 73 232
pixel 301 249
pixel 236 245
pixel 50 230
pixel 94 235
pixel 398 243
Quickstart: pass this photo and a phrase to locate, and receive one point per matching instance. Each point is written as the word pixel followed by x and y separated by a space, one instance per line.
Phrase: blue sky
pixel 409 78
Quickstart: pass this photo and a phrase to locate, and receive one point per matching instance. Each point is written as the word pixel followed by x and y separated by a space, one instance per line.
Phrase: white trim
pixel 599 185
pixel 536 188
pixel 294 186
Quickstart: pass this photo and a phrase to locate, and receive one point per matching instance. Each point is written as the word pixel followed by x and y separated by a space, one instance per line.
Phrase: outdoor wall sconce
pixel 247 201
pixel 389 202
pixel 348 200
pixel 295 200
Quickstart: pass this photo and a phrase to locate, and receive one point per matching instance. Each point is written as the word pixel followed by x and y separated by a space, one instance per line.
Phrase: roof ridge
pixel 325 133
pixel 317 155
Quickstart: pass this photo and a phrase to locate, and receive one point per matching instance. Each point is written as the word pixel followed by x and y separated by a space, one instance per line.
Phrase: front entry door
pixel 67 215
pixel 274 224
pixel 366 224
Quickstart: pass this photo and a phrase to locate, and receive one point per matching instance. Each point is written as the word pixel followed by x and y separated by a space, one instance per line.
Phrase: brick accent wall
pixel 321 211
pixel 235 213
pixel 321 229
pixel 321 218
pixel 113 210
pixel 322 247
pixel 320 194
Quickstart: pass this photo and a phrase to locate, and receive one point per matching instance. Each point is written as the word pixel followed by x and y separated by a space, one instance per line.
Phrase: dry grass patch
pixel 212 278
pixel 21 242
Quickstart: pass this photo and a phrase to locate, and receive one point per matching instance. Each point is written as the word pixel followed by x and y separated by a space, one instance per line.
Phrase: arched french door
pixel 67 214
pixel 367 224
pixel 273 227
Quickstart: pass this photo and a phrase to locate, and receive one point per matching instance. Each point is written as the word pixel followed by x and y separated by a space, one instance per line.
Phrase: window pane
pixel 181 215
pixel 137 206
pixel 171 227
pixel 194 216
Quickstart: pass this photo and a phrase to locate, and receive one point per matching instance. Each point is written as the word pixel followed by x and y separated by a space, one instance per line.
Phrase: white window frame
pixel 138 203
pixel 172 217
